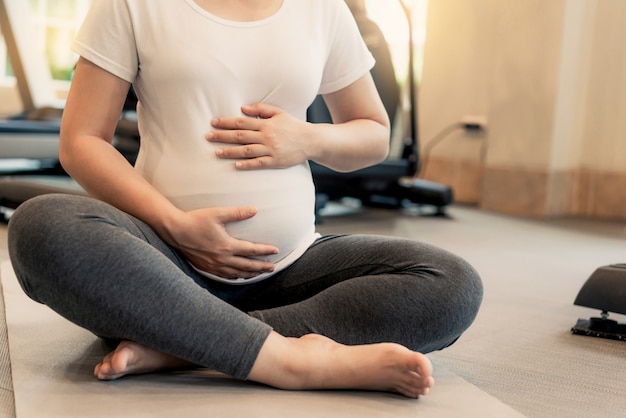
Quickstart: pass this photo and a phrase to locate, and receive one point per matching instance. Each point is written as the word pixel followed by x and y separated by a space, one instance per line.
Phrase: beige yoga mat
pixel 52 360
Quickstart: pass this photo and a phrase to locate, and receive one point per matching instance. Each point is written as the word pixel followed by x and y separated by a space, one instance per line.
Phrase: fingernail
pixel 219 152
pixel 209 136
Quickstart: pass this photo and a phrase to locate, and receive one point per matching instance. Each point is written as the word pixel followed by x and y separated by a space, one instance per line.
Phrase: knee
pixel 34 221
pixel 464 295
pixel 25 225
pixel 33 228
pixel 453 291
pixel 465 286
pixel 470 286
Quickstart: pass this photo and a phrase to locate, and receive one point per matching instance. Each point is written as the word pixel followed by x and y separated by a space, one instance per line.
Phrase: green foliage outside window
pixel 56 22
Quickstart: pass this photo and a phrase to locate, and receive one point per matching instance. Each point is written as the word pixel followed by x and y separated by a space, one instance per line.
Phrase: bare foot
pixel 133 358
pixel 309 362
pixel 317 362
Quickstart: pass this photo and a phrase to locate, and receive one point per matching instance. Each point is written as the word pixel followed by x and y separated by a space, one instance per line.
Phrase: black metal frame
pixel 391 183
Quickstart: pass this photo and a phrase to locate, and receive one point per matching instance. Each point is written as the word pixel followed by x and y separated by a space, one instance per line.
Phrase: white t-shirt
pixel 189 66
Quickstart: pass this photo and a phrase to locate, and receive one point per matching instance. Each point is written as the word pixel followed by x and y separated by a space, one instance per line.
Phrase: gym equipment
pixel 604 290
pixel 392 183
pixel 34 133
pixel 29 142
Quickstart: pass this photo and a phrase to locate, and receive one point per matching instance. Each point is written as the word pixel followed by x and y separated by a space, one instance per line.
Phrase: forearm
pixel 360 132
pixel 106 175
pixel 349 146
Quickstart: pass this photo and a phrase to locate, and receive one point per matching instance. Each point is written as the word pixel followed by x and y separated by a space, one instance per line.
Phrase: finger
pixel 236 273
pixel 241 137
pixel 237 265
pixel 243 265
pixel 242 152
pixel 230 272
pixel 249 249
pixel 256 164
pixel 239 123
pixel 235 214
pixel 261 110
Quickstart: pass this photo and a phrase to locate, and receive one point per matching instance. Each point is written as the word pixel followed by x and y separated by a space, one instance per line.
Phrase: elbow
pixel 382 147
pixel 380 154
pixel 69 152
pixel 65 154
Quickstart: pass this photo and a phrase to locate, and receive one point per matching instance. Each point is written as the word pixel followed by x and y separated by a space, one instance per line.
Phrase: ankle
pixel 282 362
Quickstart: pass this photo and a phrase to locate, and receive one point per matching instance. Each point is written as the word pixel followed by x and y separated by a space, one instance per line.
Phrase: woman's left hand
pixel 268 138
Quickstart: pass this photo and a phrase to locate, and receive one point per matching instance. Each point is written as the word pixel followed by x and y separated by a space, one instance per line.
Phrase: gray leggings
pixel 110 273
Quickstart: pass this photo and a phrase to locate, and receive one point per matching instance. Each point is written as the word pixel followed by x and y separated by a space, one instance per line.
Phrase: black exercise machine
pixel 605 290
pixel 392 183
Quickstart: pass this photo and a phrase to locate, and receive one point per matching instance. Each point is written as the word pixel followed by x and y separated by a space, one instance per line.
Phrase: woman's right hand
pixel 201 236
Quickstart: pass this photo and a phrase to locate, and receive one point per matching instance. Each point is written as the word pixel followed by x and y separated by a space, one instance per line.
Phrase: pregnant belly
pixel 284 219
pixel 284 199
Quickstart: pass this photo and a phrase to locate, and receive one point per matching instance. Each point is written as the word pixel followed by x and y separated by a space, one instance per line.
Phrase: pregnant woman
pixel 205 252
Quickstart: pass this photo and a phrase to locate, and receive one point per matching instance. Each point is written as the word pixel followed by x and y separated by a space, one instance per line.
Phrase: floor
pixel 519 358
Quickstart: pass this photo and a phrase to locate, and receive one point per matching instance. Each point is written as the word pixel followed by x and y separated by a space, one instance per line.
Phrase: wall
pixel 550 79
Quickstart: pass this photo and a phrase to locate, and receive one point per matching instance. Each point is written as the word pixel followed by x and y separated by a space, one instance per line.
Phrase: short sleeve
pixel 349 58
pixel 106 38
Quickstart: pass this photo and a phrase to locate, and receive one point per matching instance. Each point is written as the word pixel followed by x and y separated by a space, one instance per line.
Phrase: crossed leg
pixel 425 307
pixel 309 362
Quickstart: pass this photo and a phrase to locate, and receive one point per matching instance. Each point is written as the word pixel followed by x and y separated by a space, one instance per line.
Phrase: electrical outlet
pixel 474 122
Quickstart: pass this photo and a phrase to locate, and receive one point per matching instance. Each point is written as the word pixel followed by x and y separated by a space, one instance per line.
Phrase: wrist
pixel 315 137
pixel 169 224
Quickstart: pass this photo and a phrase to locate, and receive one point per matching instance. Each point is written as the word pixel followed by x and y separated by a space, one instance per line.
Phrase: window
pixel 43 31
pixel 391 19
pixel 54 24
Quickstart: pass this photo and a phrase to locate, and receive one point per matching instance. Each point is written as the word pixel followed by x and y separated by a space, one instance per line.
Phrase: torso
pixel 200 76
